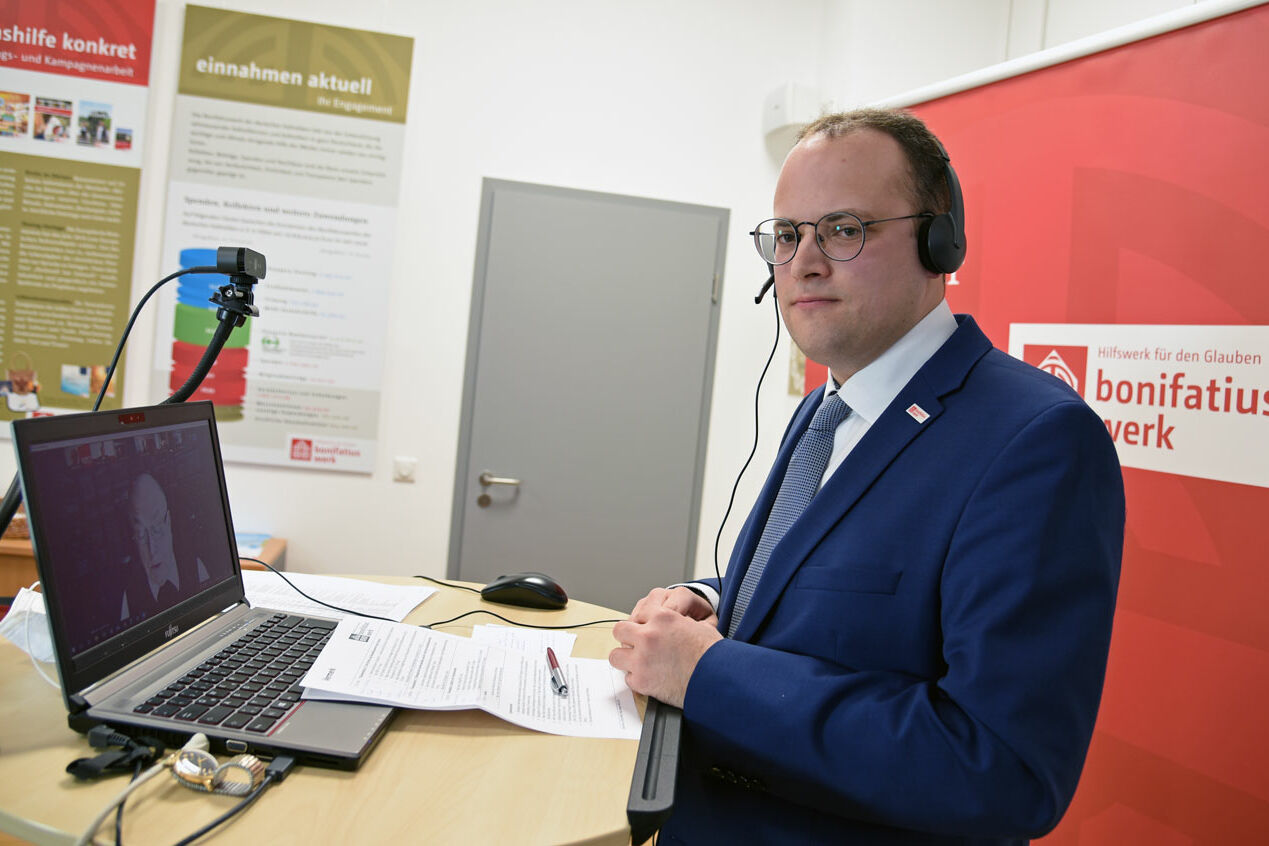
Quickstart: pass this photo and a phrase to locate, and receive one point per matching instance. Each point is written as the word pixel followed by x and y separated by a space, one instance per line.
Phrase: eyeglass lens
pixel 840 236
pixel 144 534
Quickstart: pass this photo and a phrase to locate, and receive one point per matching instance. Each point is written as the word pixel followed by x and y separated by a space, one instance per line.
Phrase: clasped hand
pixel 661 643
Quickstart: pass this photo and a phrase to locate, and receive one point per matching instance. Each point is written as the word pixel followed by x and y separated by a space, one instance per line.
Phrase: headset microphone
pixel 766 286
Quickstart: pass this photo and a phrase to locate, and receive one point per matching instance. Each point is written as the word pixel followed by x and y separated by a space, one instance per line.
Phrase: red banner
pixel 1130 188
pixel 95 39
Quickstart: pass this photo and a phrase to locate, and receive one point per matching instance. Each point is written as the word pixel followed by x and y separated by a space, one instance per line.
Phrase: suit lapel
pixel 945 372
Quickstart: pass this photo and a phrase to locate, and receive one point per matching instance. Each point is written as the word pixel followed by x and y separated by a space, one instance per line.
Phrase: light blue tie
pixel 801 481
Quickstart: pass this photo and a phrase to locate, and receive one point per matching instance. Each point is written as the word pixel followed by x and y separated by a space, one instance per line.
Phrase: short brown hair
pixel 927 182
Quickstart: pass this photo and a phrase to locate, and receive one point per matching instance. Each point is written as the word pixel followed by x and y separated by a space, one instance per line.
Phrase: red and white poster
pixel 73 93
pixel 1117 211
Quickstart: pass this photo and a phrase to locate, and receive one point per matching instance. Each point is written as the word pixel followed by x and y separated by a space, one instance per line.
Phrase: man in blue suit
pixel 917 654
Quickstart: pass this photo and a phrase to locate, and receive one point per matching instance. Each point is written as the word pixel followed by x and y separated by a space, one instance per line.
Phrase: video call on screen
pixel 120 512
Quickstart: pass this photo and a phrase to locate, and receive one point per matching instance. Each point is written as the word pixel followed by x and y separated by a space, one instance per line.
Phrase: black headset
pixel 941 240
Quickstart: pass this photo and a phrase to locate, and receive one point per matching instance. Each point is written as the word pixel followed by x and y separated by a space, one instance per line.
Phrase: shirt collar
pixel 872 389
pixel 167 573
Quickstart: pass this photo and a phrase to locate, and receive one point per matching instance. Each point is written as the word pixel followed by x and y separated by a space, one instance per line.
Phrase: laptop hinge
pixel 78 718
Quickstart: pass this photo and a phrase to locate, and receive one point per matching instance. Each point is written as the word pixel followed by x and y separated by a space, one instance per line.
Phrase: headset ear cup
pixel 923 245
pixel 925 241
pixel 937 245
pixel 941 244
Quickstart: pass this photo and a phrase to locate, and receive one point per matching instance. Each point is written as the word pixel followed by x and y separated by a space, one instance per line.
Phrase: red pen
pixel 557 677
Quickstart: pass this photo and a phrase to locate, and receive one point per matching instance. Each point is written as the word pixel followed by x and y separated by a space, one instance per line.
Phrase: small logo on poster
pixel 1067 363
pixel 301 449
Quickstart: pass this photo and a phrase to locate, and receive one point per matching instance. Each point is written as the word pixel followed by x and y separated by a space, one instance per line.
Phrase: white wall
pixel 657 98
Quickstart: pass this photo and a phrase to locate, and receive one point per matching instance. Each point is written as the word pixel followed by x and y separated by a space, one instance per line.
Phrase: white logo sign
pixel 1188 400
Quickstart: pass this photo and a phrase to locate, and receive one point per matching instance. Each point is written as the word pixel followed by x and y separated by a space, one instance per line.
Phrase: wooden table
pixel 436 777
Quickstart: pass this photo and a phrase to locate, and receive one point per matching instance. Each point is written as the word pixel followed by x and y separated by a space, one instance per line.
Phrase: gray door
pixel 589 369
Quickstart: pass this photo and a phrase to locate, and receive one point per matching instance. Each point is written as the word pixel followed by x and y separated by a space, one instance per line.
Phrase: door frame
pixel 462 468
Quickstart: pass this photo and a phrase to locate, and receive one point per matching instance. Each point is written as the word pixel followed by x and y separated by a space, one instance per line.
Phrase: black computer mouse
pixel 532 590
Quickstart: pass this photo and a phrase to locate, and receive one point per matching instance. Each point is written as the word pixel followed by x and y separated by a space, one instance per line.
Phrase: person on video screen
pixel 162 577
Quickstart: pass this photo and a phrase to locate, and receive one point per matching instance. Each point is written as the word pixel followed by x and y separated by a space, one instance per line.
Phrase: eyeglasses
pixel 839 234
pixel 157 530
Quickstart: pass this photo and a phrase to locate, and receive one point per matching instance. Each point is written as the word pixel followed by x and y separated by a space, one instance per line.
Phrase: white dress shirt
pixel 870 391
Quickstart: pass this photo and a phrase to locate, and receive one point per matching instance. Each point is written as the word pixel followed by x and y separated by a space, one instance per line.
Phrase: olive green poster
pixel 66 261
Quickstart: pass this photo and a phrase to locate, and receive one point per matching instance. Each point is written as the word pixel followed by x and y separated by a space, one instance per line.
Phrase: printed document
pixel 268 590
pixel 520 639
pixel 413 667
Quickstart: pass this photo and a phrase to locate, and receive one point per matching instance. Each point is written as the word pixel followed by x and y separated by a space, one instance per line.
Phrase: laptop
pixel 134 544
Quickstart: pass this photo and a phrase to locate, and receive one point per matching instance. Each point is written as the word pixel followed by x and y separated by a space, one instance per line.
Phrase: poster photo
pixel 52 119
pixel 15 114
pixel 94 124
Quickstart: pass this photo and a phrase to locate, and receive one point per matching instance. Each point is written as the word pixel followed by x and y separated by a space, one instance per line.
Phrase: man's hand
pixel 685 601
pixel 661 644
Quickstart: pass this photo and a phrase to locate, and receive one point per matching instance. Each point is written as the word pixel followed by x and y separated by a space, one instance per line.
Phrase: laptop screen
pixel 130 523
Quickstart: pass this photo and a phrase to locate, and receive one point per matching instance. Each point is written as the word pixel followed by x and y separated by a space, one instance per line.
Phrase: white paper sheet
pixel 414 667
pixel 267 590
pixel 519 639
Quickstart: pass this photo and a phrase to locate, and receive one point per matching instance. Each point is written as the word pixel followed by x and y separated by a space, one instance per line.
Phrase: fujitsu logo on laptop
pixel 171 631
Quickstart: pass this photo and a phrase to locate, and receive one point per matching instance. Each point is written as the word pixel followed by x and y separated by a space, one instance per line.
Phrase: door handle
pixel 488 479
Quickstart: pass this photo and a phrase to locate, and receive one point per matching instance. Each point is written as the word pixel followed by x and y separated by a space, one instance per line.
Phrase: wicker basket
pixel 17 527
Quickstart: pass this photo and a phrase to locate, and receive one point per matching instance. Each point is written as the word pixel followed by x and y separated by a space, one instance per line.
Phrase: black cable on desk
pixel 119 813
pixel 499 616
pixel 425 625
pixel 515 622
pixel 311 599
pixel 448 584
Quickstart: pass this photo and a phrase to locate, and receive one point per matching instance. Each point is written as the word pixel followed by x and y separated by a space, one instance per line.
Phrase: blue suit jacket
pixel 923 658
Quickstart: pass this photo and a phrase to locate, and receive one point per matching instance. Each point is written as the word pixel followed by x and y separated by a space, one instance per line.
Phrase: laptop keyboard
pixel 252 683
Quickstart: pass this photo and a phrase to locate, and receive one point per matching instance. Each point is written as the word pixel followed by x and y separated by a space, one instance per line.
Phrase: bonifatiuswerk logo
pixel 301 449
pixel 1070 364
pixel 1185 399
